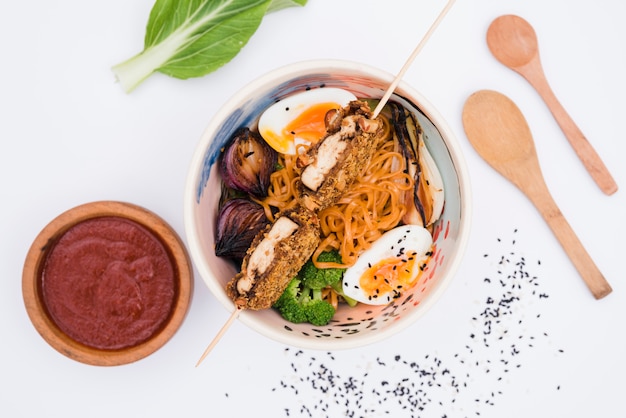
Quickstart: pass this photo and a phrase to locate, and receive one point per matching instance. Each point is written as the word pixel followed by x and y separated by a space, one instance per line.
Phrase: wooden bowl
pixel 179 294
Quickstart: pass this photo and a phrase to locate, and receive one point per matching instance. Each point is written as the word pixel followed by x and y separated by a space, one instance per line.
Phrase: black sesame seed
pixel 499 325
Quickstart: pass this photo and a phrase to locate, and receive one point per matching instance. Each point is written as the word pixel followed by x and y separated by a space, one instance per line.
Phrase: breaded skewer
pixel 330 167
pixel 275 256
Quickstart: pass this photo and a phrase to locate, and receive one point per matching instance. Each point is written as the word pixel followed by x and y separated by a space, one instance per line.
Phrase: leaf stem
pixel 135 70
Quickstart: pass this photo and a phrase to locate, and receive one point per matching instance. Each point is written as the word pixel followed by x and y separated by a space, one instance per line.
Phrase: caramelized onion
pixel 238 222
pixel 247 163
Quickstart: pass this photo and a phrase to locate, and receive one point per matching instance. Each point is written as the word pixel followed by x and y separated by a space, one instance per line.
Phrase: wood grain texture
pixel 512 40
pixel 498 131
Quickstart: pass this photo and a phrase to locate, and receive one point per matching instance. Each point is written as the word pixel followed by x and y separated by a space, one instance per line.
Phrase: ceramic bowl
pixel 125 276
pixel 351 327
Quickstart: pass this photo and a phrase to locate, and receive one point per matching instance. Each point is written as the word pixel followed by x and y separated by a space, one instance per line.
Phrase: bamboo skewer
pixel 219 335
pixel 410 60
pixel 235 314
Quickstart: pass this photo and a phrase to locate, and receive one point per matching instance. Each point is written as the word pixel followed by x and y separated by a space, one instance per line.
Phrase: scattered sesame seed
pixel 504 322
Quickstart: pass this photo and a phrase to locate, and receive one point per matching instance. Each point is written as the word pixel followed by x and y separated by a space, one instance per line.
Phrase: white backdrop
pixel 69 135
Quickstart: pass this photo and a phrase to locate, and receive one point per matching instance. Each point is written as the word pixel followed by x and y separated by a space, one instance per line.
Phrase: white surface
pixel 70 135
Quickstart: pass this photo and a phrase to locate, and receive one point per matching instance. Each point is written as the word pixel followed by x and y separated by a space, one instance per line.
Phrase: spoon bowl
pixel 498 131
pixel 512 41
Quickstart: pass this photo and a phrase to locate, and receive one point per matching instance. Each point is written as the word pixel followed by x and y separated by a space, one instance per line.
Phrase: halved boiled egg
pixel 390 266
pixel 300 118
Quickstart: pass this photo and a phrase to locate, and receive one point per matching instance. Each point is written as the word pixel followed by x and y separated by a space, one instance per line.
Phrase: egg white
pixel 280 114
pixel 399 241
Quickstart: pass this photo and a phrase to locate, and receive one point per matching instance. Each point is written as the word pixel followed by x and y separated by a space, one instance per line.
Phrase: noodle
pixel 281 193
pixel 372 205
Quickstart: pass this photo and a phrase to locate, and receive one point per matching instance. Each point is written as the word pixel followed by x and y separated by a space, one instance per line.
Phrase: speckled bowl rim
pixel 38 252
pixel 190 196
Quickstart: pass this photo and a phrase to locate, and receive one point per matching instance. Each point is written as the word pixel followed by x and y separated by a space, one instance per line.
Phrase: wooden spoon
pixel 513 42
pixel 498 131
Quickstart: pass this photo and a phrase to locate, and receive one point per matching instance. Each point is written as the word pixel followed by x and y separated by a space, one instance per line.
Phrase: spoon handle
pixel 566 236
pixel 533 73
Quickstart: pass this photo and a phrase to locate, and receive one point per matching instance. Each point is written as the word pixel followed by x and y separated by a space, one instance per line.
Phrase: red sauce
pixel 109 283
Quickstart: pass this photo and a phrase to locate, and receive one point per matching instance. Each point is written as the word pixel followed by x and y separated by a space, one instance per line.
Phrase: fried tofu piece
pixel 275 256
pixel 330 167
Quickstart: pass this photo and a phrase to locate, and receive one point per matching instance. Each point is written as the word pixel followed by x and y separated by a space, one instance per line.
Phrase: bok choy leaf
pixel 192 38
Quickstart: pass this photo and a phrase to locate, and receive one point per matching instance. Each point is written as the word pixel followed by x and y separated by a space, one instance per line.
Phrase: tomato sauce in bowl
pixel 107 283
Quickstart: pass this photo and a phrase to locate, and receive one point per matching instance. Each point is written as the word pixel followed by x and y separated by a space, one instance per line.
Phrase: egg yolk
pixel 391 275
pixel 309 126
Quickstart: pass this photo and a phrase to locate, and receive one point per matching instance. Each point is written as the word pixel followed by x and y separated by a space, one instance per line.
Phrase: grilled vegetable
pixel 238 222
pixel 425 202
pixel 247 163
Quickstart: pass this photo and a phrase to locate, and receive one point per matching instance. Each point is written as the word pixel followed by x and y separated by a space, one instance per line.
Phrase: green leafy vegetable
pixel 276 5
pixel 302 299
pixel 315 278
pixel 300 304
pixel 192 38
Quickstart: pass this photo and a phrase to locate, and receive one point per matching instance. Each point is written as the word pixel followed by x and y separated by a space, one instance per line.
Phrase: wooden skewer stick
pixel 219 335
pixel 381 104
pixel 409 61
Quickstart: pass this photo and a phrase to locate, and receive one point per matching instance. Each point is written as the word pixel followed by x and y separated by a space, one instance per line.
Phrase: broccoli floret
pixel 319 312
pixel 289 304
pixel 315 278
pixel 320 278
pixel 302 300
pixel 300 304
